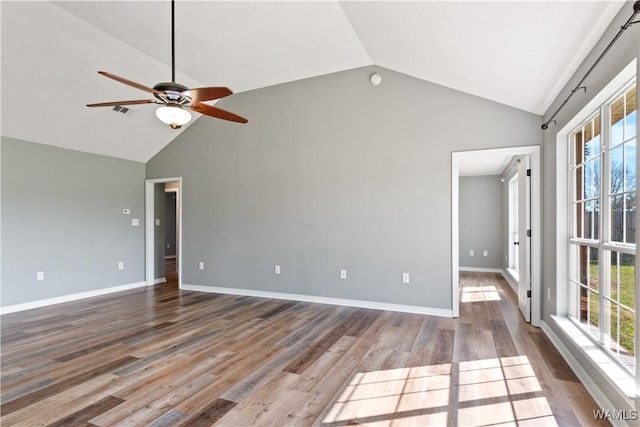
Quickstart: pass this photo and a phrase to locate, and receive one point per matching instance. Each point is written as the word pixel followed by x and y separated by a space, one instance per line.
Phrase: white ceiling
pixel 516 53
pixel 484 162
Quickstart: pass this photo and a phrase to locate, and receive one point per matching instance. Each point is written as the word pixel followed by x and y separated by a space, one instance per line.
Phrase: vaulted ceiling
pixel 517 53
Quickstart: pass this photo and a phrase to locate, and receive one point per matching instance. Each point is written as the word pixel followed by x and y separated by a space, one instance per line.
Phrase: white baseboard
pixel 322 300
pixel 67 298
pixel 590 385
pixel 510 280
pixel 159 280
pixel 481 269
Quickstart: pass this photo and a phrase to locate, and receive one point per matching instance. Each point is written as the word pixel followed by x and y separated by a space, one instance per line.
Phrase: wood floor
pixel 165 357
pixel 171 272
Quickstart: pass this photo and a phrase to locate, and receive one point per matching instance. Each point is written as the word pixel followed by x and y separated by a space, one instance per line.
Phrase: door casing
pixel 536 223
pixel 149 223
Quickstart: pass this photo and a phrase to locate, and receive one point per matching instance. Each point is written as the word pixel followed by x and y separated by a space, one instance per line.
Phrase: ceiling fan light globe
pixel 173 115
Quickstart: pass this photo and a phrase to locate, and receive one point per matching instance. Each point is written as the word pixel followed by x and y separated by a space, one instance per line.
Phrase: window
pixel 514 244
pixel 602 217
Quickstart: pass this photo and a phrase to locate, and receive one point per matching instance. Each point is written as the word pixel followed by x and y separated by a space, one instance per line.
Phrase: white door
pixel 514 237
pixel 524 237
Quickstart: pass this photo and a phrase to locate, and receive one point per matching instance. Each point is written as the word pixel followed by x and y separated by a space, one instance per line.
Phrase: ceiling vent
pixel 121 109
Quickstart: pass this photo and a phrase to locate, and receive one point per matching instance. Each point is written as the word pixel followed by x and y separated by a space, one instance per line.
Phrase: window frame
pixel 603 244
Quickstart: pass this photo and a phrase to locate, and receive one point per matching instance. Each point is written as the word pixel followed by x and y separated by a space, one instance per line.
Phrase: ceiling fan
pixel 175 98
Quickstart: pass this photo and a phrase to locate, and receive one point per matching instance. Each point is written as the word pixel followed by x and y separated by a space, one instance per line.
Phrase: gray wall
pixel 627 48
pixel 62 214
pixel 480 219
pixel 329 173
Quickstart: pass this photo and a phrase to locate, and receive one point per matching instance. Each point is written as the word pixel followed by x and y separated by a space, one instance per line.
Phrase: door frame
pixel 513 258
pixel 536 222
pixel 149 224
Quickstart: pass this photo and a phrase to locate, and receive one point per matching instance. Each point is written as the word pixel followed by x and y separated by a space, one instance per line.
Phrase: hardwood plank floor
pixel 165 357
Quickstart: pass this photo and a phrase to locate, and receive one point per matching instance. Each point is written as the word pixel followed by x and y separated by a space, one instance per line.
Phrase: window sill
pixel 599 360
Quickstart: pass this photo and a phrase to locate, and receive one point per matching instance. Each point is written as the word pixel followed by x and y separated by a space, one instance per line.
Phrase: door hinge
pixel 528 233
pixel 528 172
pixel 529 294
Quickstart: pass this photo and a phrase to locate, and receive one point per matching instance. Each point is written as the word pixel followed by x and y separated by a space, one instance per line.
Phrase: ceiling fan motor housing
pixel 171 92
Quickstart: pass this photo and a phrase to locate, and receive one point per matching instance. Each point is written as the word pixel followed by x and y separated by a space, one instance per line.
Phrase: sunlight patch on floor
pixel 379 393
pixel 489 392
pixel 480 293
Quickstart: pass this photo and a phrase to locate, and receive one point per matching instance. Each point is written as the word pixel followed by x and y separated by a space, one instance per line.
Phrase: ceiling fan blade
pixel 218 113
pixel 114 103
pixel 128 82
pixel 207 93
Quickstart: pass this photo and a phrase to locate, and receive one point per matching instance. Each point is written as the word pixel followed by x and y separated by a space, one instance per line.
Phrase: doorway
pixel 524 161
pixel 170 242
pixel 163 231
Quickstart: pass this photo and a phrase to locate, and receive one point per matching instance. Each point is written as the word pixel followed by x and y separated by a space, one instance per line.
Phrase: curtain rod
pixel 630 21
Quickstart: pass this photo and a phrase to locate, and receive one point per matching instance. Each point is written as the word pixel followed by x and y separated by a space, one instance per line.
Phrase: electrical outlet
pixel 343 273
pixel 40 275
pixel 471 252
pixel 201 265
pixel 485 253
pixel 135 222
pixel 405 277
pixel 120 265
pixel 157 222
pixel 276 269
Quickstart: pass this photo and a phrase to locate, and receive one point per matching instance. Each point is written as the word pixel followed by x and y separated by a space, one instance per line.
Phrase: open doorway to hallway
pixel 170 213
pixel 496 221
pixel 163 231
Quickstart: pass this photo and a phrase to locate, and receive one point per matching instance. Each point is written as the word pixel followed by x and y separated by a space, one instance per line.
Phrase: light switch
pixel 471 252
pixel 405 277
pixel 201 265
pixel 157 222
pixel 135 222
pixel 121 265
pixel 40 275
pixel 276 269
pixel 485 253
pixel 343 273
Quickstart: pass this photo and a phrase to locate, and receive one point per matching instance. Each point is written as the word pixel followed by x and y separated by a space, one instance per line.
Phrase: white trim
pixel 599 396
pixel 159 280
pixel 481 269
pixel 536 241
pixel 149 228
pixel 455 239
pixel 511 280
pixel 70 297
pixel 170 257
pixel 536 218
pixel 440 312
